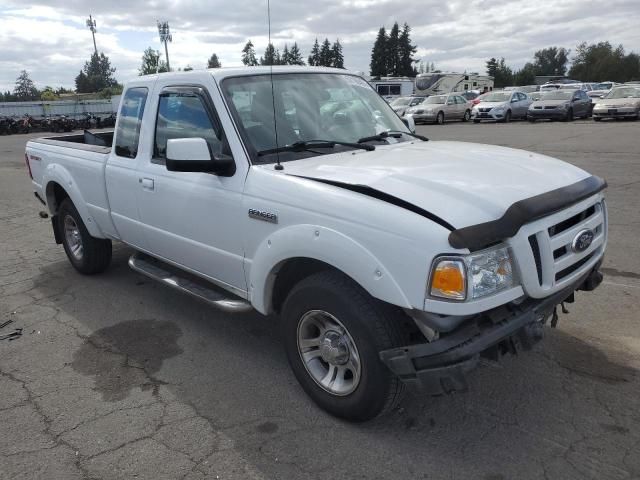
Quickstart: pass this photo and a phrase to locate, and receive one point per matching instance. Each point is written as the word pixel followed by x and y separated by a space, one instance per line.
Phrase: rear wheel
pixel 467 116
pixel 333 331
pixel 440 118
pixel 87 254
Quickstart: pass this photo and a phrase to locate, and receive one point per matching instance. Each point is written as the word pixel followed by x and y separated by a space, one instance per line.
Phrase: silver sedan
pixel 501 106
pixel 620 102
pixel 441 108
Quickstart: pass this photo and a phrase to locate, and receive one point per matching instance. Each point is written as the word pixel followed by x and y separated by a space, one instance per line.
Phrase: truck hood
pixel 462 183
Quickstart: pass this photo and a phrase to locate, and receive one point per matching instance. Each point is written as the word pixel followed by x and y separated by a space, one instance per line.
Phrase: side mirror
pixel 514 100
pixel 193 155
pixel 410 123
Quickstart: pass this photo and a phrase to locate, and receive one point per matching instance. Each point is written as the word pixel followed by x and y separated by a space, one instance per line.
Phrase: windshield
pixel 558 95
pixel 436 99
pixel 397 102
pixel 497 97
pixel 308 106
pixel 624 92
pixel 603 86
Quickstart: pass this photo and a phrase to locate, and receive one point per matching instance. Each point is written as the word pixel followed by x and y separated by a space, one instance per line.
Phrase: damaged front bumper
pixel 441 366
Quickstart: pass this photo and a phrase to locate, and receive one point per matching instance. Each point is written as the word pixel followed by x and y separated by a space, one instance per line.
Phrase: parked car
pixel 470 95
pixel 401 104
pixel 535 96
pixel 501 106
pixel 621 102
pixel 563 104
pixel 441 108
pixel 524 89
pixel 585 87
pixel 601 89
pixel 391 261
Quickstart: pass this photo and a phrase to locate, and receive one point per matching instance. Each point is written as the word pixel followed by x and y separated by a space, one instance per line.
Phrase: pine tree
pixel 314 57
pixel 433 67
pixel 25 89
pixel 378 63
pixel 326 59
pixel 213 61
pixel 151 63
pixel 406 50
pixel 249 55
pixel 336 55
pixel 393 51
pixel 295 57
pixel 269 57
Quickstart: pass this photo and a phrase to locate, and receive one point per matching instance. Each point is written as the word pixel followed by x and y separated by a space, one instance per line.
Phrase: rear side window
pixel 129 121
pixel 184 116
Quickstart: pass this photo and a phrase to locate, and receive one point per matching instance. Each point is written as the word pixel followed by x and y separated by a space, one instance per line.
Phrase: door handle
pixel 147 183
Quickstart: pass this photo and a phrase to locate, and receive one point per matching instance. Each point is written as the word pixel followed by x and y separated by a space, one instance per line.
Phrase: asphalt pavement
pixel 115 376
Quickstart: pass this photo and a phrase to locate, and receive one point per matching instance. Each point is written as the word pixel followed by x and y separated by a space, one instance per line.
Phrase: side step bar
pixel 187 283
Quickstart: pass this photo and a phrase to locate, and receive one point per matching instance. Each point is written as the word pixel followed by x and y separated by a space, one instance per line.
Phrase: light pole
pixel 91 23
pixel 165 37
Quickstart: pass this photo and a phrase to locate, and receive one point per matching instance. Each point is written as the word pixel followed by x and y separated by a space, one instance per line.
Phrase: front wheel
pixel 569 117
pixel 507 117
pixel 87 254
pixel 333 331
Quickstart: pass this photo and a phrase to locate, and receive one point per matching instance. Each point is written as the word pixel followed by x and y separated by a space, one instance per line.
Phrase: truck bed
pixel 95 142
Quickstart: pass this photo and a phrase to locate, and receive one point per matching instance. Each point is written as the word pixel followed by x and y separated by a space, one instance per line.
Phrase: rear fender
pixel 325 245
pixel 56 173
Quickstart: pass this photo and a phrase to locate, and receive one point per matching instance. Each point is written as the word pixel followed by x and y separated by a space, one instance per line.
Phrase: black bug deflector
pixel 440 367
pixel 476 237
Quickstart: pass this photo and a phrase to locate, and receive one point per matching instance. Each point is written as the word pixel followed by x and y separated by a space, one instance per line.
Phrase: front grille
pixel 551 246
pixel 549 108
pixel 485 110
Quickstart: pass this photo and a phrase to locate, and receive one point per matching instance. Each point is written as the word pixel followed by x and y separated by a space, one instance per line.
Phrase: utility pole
pixel 91 23
pixel 165 37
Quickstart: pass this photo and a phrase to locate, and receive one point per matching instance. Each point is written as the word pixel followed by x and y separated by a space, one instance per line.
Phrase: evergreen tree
pixel 393 51
pixel 295 57
pixel 25 89
pixel 378 63
pixel 213 61
pixel 249 55
pixel 269 57
pixel 96 75
pixel 500 71
pixel 286 56
pixel 433 67
pixel 551 61
pixel 151 63
pixel 326 58
pixel 314 57
pixel 406 50
pixel 337 59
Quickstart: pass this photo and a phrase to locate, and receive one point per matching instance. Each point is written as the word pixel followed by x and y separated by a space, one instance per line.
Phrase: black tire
pixel 531 120
pixel 467 116
pixel 507 117
pixel 476 121
pixel 440 118
pixel 373 326
pixel 95 256
pixel 569 117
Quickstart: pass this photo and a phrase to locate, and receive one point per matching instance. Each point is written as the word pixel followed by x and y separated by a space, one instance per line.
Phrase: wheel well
pixel 55 195
pixel 290 273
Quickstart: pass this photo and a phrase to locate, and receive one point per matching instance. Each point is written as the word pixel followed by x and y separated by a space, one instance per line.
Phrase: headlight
pixel 497 109
pixel 472 276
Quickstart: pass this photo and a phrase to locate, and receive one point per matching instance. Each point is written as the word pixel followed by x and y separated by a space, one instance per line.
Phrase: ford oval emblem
pixel 582 240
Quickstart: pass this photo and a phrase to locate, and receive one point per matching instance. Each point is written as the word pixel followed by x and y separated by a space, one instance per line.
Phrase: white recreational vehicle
pixel 392 87
pixel 434 83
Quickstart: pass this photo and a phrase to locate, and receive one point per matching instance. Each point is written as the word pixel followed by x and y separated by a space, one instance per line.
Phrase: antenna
pixel 273 95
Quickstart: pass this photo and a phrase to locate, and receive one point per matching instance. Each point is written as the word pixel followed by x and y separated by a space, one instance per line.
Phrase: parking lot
pixel 115 376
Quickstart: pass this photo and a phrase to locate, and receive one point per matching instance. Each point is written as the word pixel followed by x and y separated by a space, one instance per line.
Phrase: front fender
pixel 56 173
pixel 325 245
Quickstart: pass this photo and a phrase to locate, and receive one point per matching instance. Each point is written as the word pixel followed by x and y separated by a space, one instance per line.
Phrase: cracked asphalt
pixel 117 377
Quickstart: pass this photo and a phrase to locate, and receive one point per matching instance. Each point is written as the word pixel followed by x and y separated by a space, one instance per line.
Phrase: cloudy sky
pixel 51 41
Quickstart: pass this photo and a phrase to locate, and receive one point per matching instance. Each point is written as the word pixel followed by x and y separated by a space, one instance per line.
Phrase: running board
pixel 187 283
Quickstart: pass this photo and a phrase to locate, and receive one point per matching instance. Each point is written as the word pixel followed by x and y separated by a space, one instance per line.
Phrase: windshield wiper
pixel 303 145
pixel 391 133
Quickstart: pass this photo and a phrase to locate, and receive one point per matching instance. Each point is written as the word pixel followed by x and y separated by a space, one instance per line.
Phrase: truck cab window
pixel 183 116
pixel 129 122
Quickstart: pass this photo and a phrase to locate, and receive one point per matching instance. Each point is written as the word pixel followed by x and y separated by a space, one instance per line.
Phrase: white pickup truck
pixel 391 261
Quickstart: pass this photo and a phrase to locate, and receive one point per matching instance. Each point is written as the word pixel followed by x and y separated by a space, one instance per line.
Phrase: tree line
pixel 597 62
pixel 392 53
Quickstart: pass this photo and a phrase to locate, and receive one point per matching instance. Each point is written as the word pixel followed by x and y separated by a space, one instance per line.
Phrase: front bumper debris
pixel 440 367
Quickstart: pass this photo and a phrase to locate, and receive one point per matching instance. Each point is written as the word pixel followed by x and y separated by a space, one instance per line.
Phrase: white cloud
pixel 50 40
